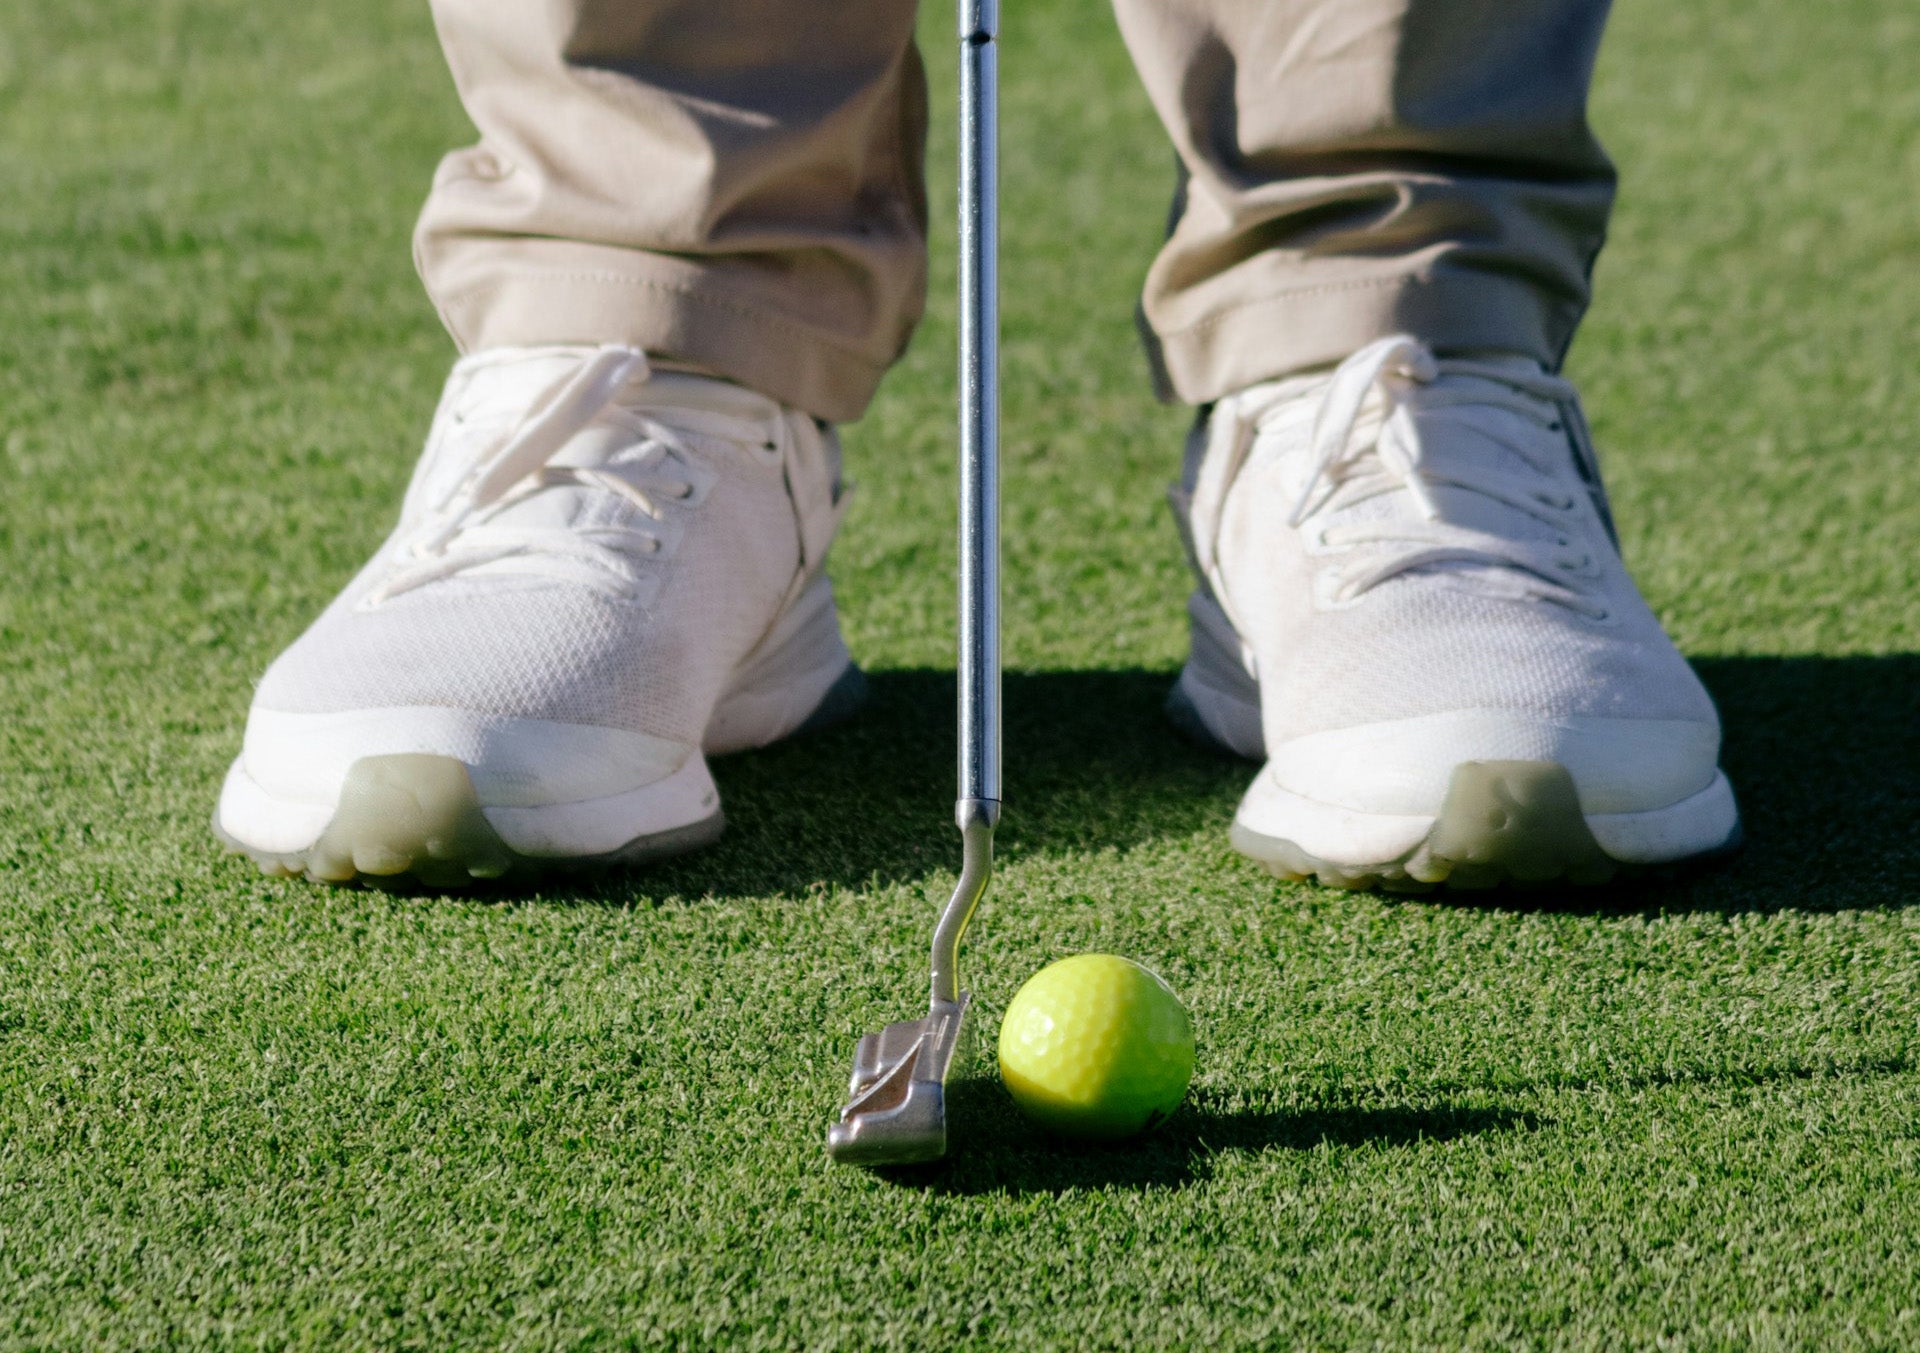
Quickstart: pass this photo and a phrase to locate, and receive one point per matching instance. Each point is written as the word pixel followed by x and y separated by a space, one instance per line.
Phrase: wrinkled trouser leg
pixel 735 183
pixel 1356 168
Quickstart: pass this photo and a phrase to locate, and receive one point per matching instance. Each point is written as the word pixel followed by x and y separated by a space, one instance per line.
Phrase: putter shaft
pixel 979 406
pixel 978 810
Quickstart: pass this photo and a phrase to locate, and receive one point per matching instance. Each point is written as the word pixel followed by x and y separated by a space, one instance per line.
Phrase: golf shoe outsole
pixel 417 817
pixel 1504 823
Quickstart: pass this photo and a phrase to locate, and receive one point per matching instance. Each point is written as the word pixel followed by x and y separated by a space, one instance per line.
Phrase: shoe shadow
pixel 1091 762
pixel 1824 756
pixel 1002 1153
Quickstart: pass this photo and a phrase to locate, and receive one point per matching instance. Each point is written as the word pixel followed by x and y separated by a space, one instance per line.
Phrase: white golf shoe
pixel 1413 606
pixel 601 574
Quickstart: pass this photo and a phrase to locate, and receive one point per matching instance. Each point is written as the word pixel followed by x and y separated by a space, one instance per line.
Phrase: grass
pixel 241 1113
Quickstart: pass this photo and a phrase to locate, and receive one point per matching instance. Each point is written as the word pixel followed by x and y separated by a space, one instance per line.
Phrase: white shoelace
pixel 1419 390
pixel 467 530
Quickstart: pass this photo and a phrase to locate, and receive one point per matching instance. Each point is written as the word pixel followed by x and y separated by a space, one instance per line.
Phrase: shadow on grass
pixel 1003 1153
pixel 1000 1152
pixel 1735 1077
pixel 1091 763
pixel 1824 754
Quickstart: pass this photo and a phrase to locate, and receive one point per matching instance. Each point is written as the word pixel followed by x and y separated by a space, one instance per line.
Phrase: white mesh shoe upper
pixel 584 542
pixel 1410 537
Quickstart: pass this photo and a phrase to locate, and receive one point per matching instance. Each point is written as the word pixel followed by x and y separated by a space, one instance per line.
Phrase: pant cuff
pixel 672 310
pixel 1293 330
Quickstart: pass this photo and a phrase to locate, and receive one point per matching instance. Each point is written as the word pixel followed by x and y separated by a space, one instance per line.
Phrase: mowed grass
pixel 243 1113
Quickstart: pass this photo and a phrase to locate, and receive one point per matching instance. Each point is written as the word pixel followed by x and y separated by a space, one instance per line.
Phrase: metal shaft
pixel 979 404
pixel 978 808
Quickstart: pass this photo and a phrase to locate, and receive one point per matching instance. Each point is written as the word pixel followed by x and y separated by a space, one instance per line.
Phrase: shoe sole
pixel 1513 823
pixel 413 814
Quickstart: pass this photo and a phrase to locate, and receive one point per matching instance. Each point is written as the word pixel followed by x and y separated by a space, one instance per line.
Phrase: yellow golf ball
pixel 1097 1048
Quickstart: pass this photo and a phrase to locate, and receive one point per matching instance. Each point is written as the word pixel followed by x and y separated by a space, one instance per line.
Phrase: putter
pixel 896 1112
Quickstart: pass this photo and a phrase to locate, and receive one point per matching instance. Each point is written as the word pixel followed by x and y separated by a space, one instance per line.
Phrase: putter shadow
pixel 1003 1153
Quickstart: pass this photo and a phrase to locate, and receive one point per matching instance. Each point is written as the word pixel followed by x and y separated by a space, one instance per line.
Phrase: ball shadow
pixel 999 1151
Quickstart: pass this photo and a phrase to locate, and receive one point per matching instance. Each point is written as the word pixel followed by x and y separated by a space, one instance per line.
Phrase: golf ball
pixel 1097 1048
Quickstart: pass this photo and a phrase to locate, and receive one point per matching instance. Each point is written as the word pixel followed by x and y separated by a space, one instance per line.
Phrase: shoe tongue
pixel 492 395
pixel 1476 451
pixel 599 447
pixel 572 506
pixel 561 507
pixel 1465 441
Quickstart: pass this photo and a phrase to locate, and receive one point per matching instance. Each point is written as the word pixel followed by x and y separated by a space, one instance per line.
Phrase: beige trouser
pixel 736 183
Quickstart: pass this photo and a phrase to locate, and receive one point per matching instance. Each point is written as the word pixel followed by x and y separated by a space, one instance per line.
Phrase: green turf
pixel 245 1113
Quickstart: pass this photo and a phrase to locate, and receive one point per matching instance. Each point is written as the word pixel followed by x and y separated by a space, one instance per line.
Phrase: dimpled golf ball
pixel 1096 1048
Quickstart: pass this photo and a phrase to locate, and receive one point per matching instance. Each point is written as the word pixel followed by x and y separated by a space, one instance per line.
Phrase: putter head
pixel 896 1113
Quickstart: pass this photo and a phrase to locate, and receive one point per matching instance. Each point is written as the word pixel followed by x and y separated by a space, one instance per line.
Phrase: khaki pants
pixel 736 183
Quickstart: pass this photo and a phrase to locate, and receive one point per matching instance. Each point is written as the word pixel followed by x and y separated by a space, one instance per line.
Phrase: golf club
pixel 896 1113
